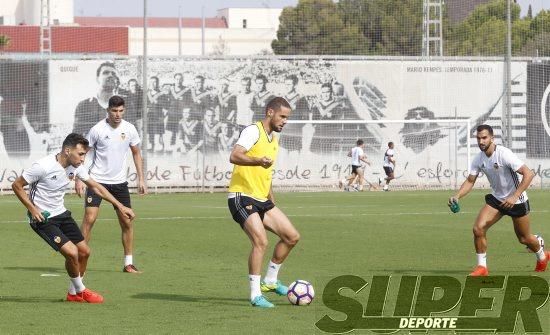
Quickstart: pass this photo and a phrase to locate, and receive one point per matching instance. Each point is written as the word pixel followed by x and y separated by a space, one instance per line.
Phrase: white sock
pixel 128 259
pixel 78 284
pixel 254 286
pixel 482 259
pixel 272 272
pixel 72 289
pixel 540 254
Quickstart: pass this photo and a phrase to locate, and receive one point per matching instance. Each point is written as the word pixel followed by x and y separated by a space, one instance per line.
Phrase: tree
pixel 314 27
pixel 483 33
pixel 4 41
pixel 391 27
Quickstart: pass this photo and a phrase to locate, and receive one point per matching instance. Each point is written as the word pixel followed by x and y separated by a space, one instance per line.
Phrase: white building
pixel 234 31
pixel 27 12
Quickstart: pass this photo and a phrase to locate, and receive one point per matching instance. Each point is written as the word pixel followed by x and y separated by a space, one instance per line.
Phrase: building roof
pixel 153 22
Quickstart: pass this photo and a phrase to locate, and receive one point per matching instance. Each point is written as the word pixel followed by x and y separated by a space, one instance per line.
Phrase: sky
pixel 193 8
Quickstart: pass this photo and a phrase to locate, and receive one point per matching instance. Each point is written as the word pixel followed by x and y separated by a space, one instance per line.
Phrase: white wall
pixel 28 11
pixel 263 18
pixel 164 41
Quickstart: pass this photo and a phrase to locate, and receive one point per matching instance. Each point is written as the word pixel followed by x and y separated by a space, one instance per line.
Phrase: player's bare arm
pixel 528 176
pixel 103 193
pixel 364 159
pixel 465 188
pixel 238 156
pixel 138 162
pixel 18 188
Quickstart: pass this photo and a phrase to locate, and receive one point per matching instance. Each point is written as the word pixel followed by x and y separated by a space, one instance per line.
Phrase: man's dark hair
pixel 276 104
pixel 483 127
pixel 262 78
pixel 292 77
pixel 109 64
pixel 360 142
pixel 390 144
pixel 200 77
pixel 115 101
pixel 74 139
pixel 329 85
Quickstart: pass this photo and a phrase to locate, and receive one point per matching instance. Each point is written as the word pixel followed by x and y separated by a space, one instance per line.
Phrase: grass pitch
pixel 194 258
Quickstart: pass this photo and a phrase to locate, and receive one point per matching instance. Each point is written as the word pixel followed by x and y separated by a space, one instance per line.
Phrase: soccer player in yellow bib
pixel 251 199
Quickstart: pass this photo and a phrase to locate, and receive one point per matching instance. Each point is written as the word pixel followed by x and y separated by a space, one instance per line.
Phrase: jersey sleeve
pixel 475 169
pixel 34 173
pixel 512 161
pixel 249 136
pixel 134 139
pixel 82 173
pixel 92 137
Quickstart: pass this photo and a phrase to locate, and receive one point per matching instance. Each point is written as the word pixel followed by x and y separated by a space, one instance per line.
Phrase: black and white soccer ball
pixel 300 293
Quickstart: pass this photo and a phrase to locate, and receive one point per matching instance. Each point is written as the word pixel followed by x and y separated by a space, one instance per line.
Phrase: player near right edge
pixel 389 166
pixel 251 200
pixel 508 197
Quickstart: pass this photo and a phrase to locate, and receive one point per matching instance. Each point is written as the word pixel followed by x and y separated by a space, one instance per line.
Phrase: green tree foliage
pixel 314 27
pixel 4 41
pixel 391 27
pixel 394 28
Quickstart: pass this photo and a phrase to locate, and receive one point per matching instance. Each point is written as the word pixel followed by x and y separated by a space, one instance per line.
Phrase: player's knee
pixel 293 239
pixel 89 219
pixel 84 252
pixel 71 254
pixel 478 231
pixel 261 243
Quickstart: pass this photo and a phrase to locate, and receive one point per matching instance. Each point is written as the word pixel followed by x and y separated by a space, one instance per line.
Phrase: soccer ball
pixel 386 187
pixel 300 293
pixel 541 241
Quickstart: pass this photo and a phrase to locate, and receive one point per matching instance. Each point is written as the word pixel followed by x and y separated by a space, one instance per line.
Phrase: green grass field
pixel 194 258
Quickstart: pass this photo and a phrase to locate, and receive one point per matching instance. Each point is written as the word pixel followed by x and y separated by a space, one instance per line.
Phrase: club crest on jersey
pixel 123 136
pixel 71 176
pixel 495 166
pixel 57 239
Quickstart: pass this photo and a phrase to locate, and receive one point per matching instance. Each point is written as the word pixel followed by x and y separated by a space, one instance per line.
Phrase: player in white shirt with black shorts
pixel 389 166
pixel 48 179
pixel 110 139
pixel 358 157
pixel 508 197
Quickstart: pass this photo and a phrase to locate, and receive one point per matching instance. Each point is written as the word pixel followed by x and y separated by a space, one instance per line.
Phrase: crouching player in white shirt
pixel 48 179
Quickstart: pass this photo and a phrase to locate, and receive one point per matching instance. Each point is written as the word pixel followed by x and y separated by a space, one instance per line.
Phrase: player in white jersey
pixel 508 197
pixel 110 139
pixel 48 179
pixel 389 166
pixel 358 157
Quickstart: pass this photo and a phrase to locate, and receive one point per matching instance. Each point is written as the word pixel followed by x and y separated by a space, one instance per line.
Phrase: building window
pixel 244 23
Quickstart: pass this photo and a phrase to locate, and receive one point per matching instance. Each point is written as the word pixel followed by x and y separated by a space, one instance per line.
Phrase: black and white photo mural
pixel 197 107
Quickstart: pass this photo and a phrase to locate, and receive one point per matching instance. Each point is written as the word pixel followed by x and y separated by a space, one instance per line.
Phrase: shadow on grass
pixel 28 299
pixel 189 298
pixel 52 270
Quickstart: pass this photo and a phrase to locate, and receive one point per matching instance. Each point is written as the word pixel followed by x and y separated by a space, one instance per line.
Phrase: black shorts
pixel 517 211
pixel 58 230
pixel 119 191
pixel 354 168
pixel 241 207
pixel 388 170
